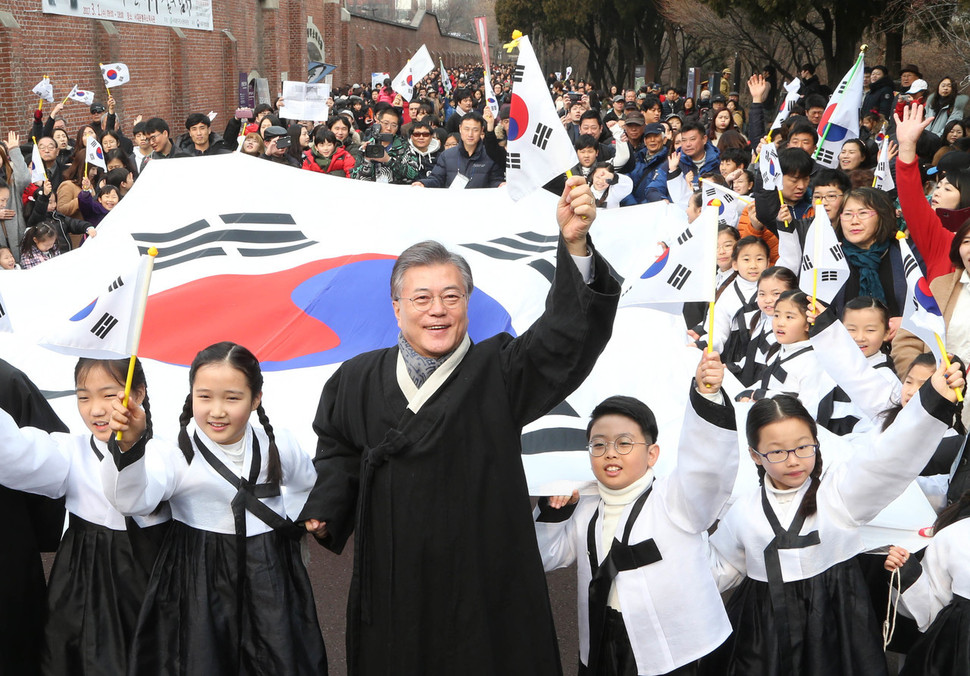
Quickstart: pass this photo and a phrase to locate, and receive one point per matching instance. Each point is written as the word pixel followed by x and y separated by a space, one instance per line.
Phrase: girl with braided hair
pixel 229 593
pixel 103 562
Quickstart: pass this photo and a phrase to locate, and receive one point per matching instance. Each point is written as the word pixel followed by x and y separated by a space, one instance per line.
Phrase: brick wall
pixel 176 72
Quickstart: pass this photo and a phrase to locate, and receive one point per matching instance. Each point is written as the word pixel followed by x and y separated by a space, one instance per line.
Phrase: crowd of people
pixel 185 558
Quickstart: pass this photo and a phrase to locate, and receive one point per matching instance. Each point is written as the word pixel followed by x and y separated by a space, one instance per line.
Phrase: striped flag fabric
pixel 729 204
pixel 883 179
pixel 44 89
pixel 81 96
pixel 414 70
pixel 791 98
pixel 115 74
pixel 840 121
pixel 822 252
pixel 539 148
pixel 922 315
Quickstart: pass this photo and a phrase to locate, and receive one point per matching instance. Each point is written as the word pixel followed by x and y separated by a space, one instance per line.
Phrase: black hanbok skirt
pixel 832 621
pixel 196 619
pixel 94 594
pixel 944 650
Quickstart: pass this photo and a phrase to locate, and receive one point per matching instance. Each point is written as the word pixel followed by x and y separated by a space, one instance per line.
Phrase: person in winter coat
pixel 425 147
pixel 327 156
pixel 945 106
pixel 879 98
pixel 467 160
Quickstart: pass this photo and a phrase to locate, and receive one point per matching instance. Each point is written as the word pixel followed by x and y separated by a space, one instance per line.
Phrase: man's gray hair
pixel 426 253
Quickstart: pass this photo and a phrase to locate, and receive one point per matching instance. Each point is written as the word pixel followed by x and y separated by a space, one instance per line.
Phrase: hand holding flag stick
pixel 947 363
pixel 139 321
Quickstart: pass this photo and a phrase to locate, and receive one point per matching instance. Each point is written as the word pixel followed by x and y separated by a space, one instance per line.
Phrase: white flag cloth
pixel 490 97
pixel 414 70
pixel 37 173
pixel 81 96
pixel 569 72
pixel 791 98
pixel 539 148
pixel 921 315
pixel 840 121
pixel 684 271
pixel 115 74
pixel 445 79
pixel 728 204
pixel 769 167
pixel 44 90
pixel 109 326
pixel 95 153
pixel 884 177
pixel 822 251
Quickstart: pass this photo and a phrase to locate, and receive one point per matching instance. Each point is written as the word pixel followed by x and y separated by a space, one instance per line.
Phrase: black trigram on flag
pixel 806 262
pixel 541 137
pixel 518 73
pixel 909 264
pixel 825 156
pixel 514 161
pixel 117 284
pixel 684 236
pixel 3 312
pixel 828 276
pixel 104 325
pixel 678 277
pixel 837 252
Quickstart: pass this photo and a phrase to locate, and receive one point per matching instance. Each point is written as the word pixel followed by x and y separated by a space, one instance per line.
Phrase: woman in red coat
pixel 949 203
pixel 327 156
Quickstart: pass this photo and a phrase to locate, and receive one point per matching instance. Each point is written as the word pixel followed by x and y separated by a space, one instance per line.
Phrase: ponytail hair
pixel 784 407
pixel 244 361
pixel 953 513
pixel 118 370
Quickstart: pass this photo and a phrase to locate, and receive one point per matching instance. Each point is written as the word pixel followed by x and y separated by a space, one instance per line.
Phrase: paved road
pixel 330 576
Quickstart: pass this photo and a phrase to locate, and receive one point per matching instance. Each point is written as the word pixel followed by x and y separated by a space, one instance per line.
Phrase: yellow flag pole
pixel 818 246
pixel 946 361
pixel 139 322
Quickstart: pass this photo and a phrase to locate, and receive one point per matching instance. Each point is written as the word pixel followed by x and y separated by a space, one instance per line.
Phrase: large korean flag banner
pixel 281 278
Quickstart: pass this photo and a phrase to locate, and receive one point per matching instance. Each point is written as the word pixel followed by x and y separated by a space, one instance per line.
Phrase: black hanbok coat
pixel 30 524
pixel 447 575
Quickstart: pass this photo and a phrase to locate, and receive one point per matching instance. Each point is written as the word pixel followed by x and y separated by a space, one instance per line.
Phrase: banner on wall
pixel 195 14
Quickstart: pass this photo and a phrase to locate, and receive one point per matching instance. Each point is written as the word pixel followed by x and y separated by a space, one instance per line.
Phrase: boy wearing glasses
pixel 647 601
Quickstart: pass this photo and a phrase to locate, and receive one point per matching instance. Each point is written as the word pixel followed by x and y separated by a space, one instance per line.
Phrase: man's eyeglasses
pixel 831 197
pixel 424 301
pixel 421 134
pixel 806 451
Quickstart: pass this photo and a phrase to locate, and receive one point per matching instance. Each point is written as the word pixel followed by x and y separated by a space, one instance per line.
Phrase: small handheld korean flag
pixel 37 172
pixel 769 167
pixel 445 79
pixel 682 272
pixel 840 121
pixel 791 98
pixel 81 96
pixel 729 204
pixel 95 153
pixel 883 179
pixel 538 145
pixel 414 70
pixel 921 315
pixel 109 327
pixel 824 253
pixel 115 74
pixel 44 90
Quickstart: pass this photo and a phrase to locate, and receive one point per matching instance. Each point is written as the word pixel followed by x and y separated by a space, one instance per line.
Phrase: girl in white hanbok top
pixel 936 593
pixel 802 607
pixel 229 593
pixel 102 565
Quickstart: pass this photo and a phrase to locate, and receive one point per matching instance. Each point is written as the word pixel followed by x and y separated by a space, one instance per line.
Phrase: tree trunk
pixel 894 51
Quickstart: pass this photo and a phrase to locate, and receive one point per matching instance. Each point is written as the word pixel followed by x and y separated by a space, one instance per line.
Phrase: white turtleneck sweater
pixel 614 502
